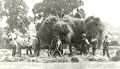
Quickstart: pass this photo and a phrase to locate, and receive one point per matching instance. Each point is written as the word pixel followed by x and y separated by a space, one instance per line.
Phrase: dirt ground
pixel 45 62
pixel 81 65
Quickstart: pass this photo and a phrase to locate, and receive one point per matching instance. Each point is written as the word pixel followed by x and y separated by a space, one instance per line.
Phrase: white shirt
pixel 13 35
pixel 13 42
pixel 94 40
pixel 59 42
pixel 87 41
pixel 29 42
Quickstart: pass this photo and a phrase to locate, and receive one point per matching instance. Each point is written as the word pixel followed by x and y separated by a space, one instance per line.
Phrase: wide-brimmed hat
pixel 106 36
pixel 84 35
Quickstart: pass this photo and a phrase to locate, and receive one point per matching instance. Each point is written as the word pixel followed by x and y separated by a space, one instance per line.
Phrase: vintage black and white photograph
pixel 59 34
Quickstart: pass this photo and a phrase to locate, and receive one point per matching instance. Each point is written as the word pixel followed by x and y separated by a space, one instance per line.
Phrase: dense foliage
pixel 55 6
pixel 16 11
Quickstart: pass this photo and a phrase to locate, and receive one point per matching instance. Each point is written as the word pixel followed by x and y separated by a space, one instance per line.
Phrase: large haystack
pixel 69 28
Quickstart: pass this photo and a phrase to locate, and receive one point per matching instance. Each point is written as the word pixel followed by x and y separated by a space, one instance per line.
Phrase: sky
pixel 107 10
pixel 31 4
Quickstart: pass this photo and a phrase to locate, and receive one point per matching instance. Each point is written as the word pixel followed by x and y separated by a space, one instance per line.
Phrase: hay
pixel 60 59
pixel 74 59
pixel 116 57
pixel 97 58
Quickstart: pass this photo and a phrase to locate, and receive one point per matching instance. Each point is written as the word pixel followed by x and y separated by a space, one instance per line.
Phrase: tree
pixel 54 6
pixel 2 10
pixel 16 14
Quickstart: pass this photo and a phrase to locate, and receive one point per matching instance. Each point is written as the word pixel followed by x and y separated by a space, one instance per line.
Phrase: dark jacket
pixel 105 44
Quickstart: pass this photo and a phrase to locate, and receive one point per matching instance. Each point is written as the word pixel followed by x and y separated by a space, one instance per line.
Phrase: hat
pixel 106 36
pixel 42 13
pixel 83 34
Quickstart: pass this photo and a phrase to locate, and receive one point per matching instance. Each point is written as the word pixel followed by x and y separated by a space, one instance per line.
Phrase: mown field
pixel 45 62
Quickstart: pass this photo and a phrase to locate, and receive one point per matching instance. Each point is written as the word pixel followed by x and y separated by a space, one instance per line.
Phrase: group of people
pixel 56 46
pixel 85 46
pixel 16 44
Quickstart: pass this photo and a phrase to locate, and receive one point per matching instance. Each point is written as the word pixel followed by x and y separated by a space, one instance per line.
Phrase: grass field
pixel 45 62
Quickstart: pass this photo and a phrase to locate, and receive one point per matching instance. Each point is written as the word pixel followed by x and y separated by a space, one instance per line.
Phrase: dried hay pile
pixel 116 57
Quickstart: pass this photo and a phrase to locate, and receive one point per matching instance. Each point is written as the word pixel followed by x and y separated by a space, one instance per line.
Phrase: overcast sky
pixel 31 4
pixel 107 10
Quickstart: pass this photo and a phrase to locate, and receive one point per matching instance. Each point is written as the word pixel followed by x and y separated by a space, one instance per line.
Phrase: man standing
pixel 14 46
pixel 84 44
pixel 94 43
pixel 77 14
pixel 61 13
pixel 59 46
pixel 29 46
pixel 105 47
pixel 12 36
